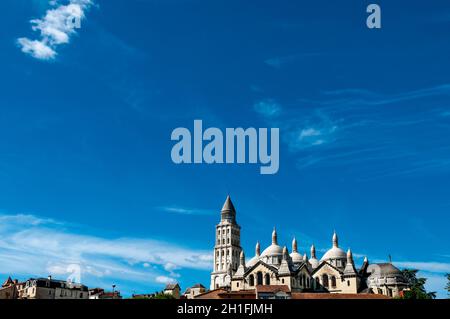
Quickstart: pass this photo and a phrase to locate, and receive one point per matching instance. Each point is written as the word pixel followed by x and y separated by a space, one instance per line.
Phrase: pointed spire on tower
pixel 313 251
pixel 228 211
pixel 305 258
pixel 257 249
pixel 365 259
pixel 274 237
pixel 335 240
pixel 294 245
pixel 228 205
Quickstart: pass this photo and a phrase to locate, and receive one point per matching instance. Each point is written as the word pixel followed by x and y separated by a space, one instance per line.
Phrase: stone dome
pixel 334 253
pixel 272 250
pixel 314 263
pixel 384 270
pixel 296 257
pixel 253 261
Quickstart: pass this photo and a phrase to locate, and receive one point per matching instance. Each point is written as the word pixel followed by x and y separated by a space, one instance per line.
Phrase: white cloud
pixel 165 280
pixel 55 28
pixel 33 246
pixel 185 211
pixel 170 267
pixel 429 266
pixel 37 49
pixel 268 108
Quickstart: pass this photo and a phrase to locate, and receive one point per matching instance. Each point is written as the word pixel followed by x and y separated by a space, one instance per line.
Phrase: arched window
pixel 267 279
pixel 317 281
pixel 251 280
pixel 333 281
pixel 307 282
pixel 301 280
pixel 325 280
pixel 259 278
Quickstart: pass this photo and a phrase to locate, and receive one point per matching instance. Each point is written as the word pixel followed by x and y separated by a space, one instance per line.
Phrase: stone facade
pixel 48 288
pixel 335 272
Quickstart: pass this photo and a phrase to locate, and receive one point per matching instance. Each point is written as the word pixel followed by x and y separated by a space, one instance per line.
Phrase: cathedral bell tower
pixel 227 249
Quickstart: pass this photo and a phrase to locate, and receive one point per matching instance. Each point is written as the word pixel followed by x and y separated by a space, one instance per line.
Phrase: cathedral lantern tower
pixel 227 249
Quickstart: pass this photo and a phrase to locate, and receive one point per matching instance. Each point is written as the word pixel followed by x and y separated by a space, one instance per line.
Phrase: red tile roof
pixel 272 288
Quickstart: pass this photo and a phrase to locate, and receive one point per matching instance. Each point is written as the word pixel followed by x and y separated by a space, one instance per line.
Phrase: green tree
pixel 416 286
pixel 162 295
pixel 448 284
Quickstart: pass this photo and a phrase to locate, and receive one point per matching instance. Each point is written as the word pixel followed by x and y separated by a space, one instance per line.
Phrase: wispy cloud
pixel 428 266
pixel 280 61
pixel 361 130
pixel 56 27
pixel 367 97
pixel 35 246
pixel 268 108
pixel 185 211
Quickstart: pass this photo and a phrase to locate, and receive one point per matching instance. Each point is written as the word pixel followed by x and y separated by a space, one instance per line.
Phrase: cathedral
pixel 334 272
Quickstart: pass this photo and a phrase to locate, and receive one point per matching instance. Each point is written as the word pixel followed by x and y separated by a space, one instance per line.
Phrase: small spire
pixel 285 253
pixel 274 237
pixel 305 258
pixel 242 258
pixel 258 249
pixel 335 240
pixel 349 256
pixel 294 245
pixel 365 259
pixel 313 251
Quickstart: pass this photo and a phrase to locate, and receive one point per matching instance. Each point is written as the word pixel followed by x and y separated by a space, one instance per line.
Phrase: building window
pixel 259 277
pixel 348 282
pixel 333 281
pixel 237 284
pixel 325 281
pixel 251 280
pixel 282 281
pixel 267 279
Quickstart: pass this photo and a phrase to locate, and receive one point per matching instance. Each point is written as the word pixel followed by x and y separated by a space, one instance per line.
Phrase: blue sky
pixel 86 116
